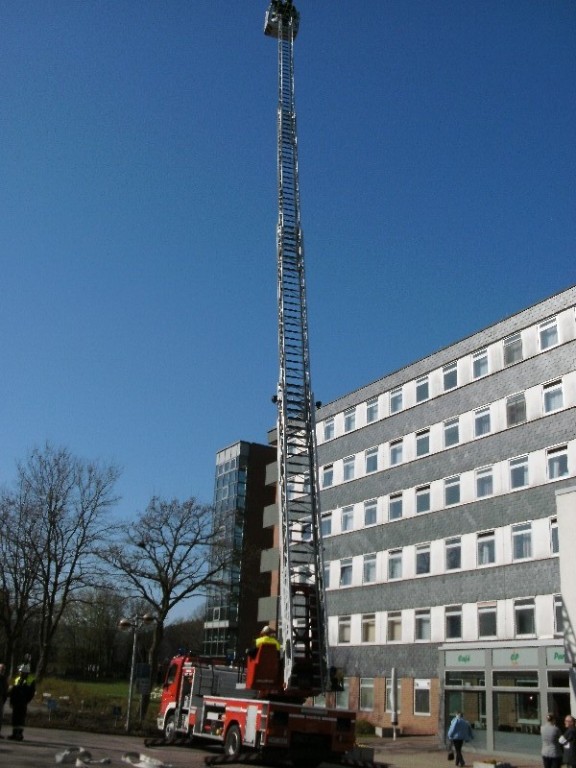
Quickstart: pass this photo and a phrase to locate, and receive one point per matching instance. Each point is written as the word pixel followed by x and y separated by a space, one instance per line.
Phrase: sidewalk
pixel 416 751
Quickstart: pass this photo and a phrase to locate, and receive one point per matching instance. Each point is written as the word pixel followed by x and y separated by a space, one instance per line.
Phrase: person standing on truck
pixel 268 637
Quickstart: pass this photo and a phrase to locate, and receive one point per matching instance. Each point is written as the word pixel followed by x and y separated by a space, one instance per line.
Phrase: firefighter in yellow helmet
pixel 268 637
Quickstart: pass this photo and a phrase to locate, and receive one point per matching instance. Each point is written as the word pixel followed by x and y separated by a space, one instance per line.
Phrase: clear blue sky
pixel 138 208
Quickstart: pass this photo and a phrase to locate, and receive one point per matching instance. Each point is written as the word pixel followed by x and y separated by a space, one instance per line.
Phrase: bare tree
pixel 60 505
pixel 171 552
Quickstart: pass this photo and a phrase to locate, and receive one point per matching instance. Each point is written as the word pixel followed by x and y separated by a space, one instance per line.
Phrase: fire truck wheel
pixel 169 730
pixel 233 742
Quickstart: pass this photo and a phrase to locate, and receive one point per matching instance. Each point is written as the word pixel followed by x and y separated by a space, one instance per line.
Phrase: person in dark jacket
pixel 21 694
pixel 568 741
pixel 3 693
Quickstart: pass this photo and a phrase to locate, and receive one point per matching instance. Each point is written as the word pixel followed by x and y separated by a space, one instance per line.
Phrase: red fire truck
pixel 210 702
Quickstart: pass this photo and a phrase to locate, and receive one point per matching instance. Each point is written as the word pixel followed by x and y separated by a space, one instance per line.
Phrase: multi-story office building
pixel 438 496
pixel 240 496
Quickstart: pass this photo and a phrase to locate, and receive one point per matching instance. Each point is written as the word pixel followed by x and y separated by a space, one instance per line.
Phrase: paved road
pixel 41 745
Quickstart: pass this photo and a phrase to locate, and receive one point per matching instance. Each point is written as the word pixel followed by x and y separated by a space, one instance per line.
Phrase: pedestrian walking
pixel 459 732
pixel 21 694
pixel 3 693
pixel 551 748
pixel 568 741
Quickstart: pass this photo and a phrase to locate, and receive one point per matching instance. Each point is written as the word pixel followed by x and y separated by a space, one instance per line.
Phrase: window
pixel 513 349
pixel 347 519
pixel 422 389
pixel 480 363
pixel 451 432
pixel 329 429
pixel 394 627
pixel 396 400
pixel 450 376
pixel 372 410
pixel 344 629
pixel 421 697
pixel 395 564
pixel 366 693
pixel 396 452
pixel 521 541
pixel 557 462
pixel 349 419
pixel 369 569
pixel 453 553
pixel 486 548
pixel 558 615
pixel 370 512
pixel 515 409
pixel 326 575
pixel 371 460
pixel 326 524
pixel 348 465
pixel 452 490
pixel 484 482
pixel 486 620
pixel 554 540
pixel 524 617
pixel 481 422
pixel 327 475
pixel 368 628
pixel 423 499
pixel 346 572
pixel 395 507
pixel 553 397
pixel 343 696
pixel 422 624
pixel 422 559
pixel 548 333
pixel 423 442
pixel 453 617
pixel 518 472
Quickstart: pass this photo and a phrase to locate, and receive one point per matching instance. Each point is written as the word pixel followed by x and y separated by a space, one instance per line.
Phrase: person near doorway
pixel 460 731
pixel 568 741
pixel 551 748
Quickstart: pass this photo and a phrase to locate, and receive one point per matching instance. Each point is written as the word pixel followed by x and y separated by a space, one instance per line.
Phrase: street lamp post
pixel 134 624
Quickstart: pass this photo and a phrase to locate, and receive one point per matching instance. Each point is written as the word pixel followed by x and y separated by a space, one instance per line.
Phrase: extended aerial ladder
pixel 302 602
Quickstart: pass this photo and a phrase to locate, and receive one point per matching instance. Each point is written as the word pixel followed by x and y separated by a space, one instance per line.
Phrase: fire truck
pixel 263 706
pixel 215 704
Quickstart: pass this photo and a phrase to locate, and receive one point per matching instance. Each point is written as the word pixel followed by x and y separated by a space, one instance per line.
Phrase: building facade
pixel 240 496
pixel 441 538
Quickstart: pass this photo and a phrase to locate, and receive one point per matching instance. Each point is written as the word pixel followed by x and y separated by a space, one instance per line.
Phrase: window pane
pixel 372 410
pixel 396 452
pixel 371 460
pixel 328 429
pixel 516 409
pixel 521 541
pixel 347 518
pixel 369 628
pixel 451 432
pixel 423 443
pixel 395 564
pixel 395 507
pixel 450 375
pixel 548 334
pixel 553 397
pixel 487 621
pixel 480 364
pixel 519 472
pixel 453 622
pixel 423 499
pixel 452 490
pixel 513 349
pixel 482 422
pixel 423 625
pixel 369 571
pixel 422 560
pixel 557 462
pixel 484 483
pixel 453 554
pixel 349 468
pixel 370 512
pixel 350 420
pixel 524 615
pixel 396 401
pixel 486 548
pixel 422 389
pixel 394 625
pixel 326 524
